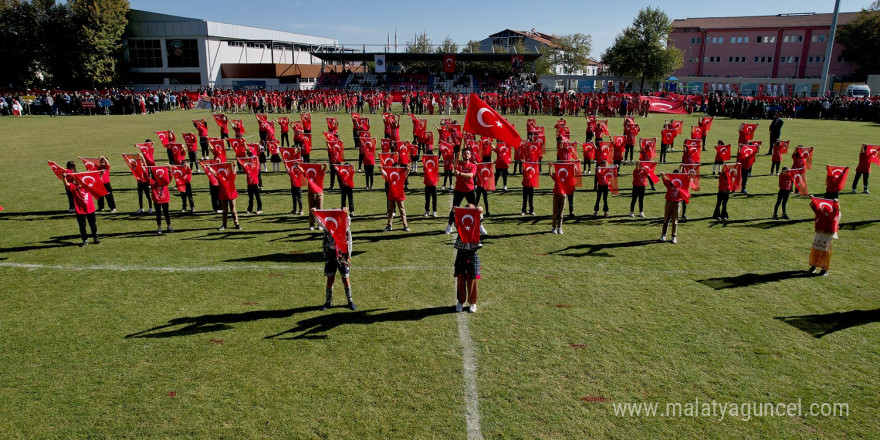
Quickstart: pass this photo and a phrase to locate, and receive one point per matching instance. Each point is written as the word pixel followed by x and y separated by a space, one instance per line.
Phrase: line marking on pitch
pixel 471 397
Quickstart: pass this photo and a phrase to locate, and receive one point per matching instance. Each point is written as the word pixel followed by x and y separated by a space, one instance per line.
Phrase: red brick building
pixel 768 46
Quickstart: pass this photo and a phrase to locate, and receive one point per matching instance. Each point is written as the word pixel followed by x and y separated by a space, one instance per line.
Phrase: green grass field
pixel 209 334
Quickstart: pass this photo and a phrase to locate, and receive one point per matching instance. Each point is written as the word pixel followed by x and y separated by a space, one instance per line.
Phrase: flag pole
pixel 827 64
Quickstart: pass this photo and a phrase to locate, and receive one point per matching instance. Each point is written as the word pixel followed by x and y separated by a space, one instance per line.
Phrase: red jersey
pixel 465 184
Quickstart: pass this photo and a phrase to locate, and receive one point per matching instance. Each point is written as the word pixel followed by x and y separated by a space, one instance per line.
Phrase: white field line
pixel 471 397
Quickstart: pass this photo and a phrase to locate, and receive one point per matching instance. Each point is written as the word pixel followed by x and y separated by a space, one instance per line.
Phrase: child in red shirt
pixel 785 187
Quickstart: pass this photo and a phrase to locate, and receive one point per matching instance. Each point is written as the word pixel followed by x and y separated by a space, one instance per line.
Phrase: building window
pixel 745 39
pixel 235 44
pixel 800 38
pixel 182 53
pixel 769 59
pixel 822 37
pixel 785 39
pixel 797 59
pixel 756 59
pixel 730 60
pixel 145 53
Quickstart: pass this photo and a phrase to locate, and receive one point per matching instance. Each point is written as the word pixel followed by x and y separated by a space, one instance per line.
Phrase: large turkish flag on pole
pixel 485 121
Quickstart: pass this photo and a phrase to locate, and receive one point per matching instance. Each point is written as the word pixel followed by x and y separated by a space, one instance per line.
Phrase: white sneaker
pixel 459 307
pixel 483 230
pixel 631 214
pixel 427 214
pixel 553 231
pixel 642 214
pixel 472 308
pixel 434 214
pixel 674 240
pixel 559 231
pixel 662 238
pixel 448 229
pixel 505 187
pixel 311 228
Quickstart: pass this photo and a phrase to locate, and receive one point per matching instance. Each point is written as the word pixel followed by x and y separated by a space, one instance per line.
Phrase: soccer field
pixel 218 334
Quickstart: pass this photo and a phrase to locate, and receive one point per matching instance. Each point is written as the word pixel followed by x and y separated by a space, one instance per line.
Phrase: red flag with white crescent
pixel 799 180
pixel 694 171
pixel 335 151
pixel 166 137
pixel 182 175
pixel 91 182
pixel 336 223
pixel 387 159
pixel 223 172
pixel 273 148
pixel 827 214
pixel 58 170
pixel 161 174
pixel 467 223
pixel 589 150
pixel 604 151
pixel 531 174
pixel 346 174
pixel 835 177
pixel 396 179
pixel 314 173
pixel 608 175
pixel 486 175
pixel 218 149
pixel 238 145
pixel 386 145
pixel 449 63
pixel 239 126
pixel 191 142
pixel 647 148
pixel 681 184
pixel 651 167
pixel 91 163
pixel 287 153
pixel 431 166
pixel 485 121
pixel 694 147
pixel 565 176
pixel 806 153
pixel 722 153
pixel 136 164
pixel 873 152
pixel 178 152
pixel 658 104
pixel 146 150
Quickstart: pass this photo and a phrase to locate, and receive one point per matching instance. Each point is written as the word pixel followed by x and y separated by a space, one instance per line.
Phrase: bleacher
pixel 457 83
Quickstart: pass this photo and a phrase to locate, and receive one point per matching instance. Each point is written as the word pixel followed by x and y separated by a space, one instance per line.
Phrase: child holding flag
pixel 467 262
pixel 336 247
pixel 84 206
pixel 827 222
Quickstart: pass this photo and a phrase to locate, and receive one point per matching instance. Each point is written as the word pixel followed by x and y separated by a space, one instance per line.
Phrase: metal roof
pixel 406 57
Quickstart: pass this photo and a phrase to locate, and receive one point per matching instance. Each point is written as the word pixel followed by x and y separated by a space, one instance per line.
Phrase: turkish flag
pixel 608 175
pixel 191 142
pixel 430 163
pixel 467 222
pixel 447 151
pixel 706 124
pixel 799 179
pixel 91 182
pixel 565 176
pixel 619 147
pixel 681 183
pixel 651 167
pixel 262 117
pixel 314 173
pixel 363 124
pixel 873 155
pixel 218 118
pixel 589 150
pixel 694 171
pixel 806 153
pixel 386 145
pixel 335 222
pixel 335 152
pixel 746 155
pixel 722 153
pixel 449 63
pixel 59 170
pixel 178 152
pixel 136 164
pixel 658 104
pixel 604 151
pixel 332 125
pixel 294 172
pixel 485 121
pixel 827 214
pixel 368 150
pixel 396 178
pixel 387 159
pixel 696 132
pixel 161 174
pixel 239 146
pixel 531 174
pixel 182 175
pixel 201 125
pixel 695 148
pixel 668 136
pixel 239 126
pixel 206 164
pixel 647 148
pixel 746 132
pixel 91 163
pixel 734 170
pixel 289 153
pixel 217 149
pixel 166 137
pixel 254 149
pixel 274 148
pixel 602 128
pixel 346 174
pixel 486 176
pixel 225 174
pixel 146 150
pixel 835 177
pixel 306 119
pixel 678 126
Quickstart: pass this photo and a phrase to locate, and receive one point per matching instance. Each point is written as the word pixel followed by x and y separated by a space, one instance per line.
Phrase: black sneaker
pixel 352 306
pixel 96 241
pixel 784 217
pixel 238 226
pixel 325 306
pixel 84 243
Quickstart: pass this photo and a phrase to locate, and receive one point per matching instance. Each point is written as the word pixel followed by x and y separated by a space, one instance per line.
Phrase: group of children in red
pixel 467 160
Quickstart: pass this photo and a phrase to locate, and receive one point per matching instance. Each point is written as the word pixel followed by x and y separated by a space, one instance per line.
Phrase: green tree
pixel 572 53
pixel 641 50
pixel 860 39
pixel 419 44
pixel 447 46
pixel 98 27
pixel 472 46
pixel 19 48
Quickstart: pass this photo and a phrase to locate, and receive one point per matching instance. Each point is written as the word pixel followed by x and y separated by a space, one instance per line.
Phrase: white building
pixel 167 50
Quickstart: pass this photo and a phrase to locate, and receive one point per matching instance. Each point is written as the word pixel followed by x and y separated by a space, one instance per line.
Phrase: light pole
pixel 827 64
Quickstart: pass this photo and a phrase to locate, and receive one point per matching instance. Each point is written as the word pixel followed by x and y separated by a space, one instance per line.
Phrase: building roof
pixel 764 21
pixel 547 39
pixel 408 57
pixel 152 24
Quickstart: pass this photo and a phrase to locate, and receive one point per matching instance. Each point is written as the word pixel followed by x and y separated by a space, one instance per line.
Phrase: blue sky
pixel 370 22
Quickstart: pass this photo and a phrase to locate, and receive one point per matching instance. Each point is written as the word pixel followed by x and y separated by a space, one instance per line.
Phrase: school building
pixel 768 46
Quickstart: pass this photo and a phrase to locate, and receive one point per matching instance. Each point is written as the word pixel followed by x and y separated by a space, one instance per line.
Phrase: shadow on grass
pixel 193 325
pixel 317 327
pixel 286 257
pixel 750 279
pixel 396 233
pixel 822 325
pixel 75 239
pixel 854 226
pixel 593 250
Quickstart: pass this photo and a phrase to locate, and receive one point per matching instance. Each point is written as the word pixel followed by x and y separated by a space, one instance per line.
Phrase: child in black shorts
pixel 467 272
pixel 337 262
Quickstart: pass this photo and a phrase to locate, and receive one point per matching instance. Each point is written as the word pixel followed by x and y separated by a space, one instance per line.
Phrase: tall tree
pixel 447 46
pixel 419 44
pixel 472 46
pixel 573 53
pixel 641 50
pixel 860 39
pixel 99 25
pixel 19 48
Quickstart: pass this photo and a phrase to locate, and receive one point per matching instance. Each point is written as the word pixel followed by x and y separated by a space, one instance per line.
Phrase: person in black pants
pixel 464 172
pixel 601 191
pixel 785 187
pixel 775 131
